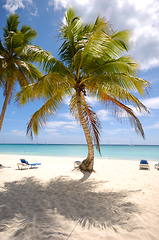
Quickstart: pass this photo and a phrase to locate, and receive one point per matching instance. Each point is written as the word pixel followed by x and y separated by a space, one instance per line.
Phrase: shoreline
pixel 81 158
pixel 118 201
pixel 121 152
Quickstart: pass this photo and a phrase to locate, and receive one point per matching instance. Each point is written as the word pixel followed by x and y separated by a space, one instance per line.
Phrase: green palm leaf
pixel 17 57
pixel 40 117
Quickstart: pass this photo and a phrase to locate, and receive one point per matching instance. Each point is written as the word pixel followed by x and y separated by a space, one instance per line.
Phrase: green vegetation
pixel 92 63
pixel 16 59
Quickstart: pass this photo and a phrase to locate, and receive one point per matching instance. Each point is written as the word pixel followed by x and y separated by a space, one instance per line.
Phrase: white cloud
pixel 140 16
pixel 91 100
pixel 59 125
pixel 66 115
pixel 55 124
pixel 117 131
pixel 70 127
pixel 103 115
pixel 18 132
pixel 13 5
pixel 152 103
pixel 50 130
pixel 67 100
pixel 35 13
pixel 154 126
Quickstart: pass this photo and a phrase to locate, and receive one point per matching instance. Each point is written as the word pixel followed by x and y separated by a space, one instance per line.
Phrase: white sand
pixel 117 202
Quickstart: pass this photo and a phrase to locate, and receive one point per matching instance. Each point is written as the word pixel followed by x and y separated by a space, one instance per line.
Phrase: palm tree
pixel 92 64
pixel 16 57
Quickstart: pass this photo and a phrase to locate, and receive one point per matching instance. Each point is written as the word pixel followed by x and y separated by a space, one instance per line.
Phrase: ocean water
pixel 125 152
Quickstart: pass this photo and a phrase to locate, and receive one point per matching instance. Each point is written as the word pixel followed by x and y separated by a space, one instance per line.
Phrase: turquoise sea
pixel 125 152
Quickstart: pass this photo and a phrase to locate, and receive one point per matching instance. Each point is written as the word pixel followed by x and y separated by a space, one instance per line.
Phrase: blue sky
pixel 140 16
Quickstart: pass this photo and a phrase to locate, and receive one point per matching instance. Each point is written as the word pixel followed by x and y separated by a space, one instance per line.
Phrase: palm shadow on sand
pixel 32 204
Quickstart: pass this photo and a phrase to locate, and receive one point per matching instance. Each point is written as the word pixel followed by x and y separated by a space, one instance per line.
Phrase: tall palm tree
pixel 92 64
pixel 16 57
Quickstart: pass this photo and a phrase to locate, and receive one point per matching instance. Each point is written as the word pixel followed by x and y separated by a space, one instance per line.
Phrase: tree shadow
pixel 30 203
pixel 86 174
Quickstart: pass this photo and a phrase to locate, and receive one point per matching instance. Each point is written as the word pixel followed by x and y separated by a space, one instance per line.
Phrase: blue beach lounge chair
pixel 144 165
pixel 24 164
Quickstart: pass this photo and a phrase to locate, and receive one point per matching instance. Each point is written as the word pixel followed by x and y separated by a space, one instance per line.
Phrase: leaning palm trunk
pixel 5 104
pixel 87 164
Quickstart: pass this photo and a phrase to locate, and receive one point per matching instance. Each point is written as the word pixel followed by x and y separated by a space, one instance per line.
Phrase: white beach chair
pixel 25 165
pixel 144 165
pixel 77 163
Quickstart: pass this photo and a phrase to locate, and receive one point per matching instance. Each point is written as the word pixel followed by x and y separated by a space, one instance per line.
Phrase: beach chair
pixel 77 163
pixel 25 165
pixel 157 166
pixel 144 165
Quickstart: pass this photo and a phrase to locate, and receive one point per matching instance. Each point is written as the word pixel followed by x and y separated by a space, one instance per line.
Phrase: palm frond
pixel 25 95
pixel 100 46
pixel 3 51
pixel 11 24
pixel 26 73
pixel 118 85
pixel 70 32
pixel 117 107
pixel 73 107
pixel 45 88
pixel 40 117
pixel 105 87
pixel 121 39
pixel 29 34
pixel 53 65
pixel 35 54
pixel 99 64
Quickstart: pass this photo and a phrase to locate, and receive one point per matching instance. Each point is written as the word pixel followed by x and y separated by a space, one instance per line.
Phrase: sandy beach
pixel 117 202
